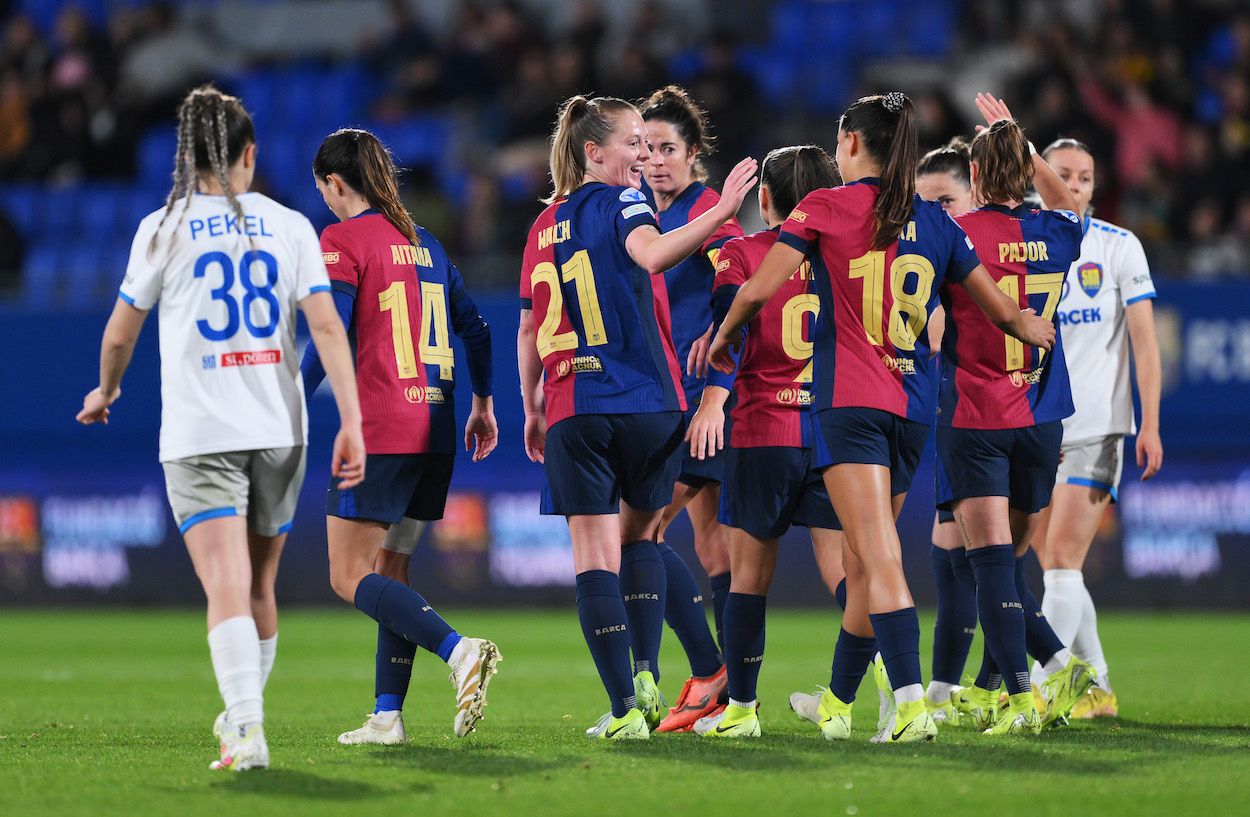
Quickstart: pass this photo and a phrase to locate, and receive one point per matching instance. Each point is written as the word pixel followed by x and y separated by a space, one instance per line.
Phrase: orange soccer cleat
pixel 699 698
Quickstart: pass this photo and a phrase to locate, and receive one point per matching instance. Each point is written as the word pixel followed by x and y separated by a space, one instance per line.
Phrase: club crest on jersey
pixel 903 365
pixel 629 194
pixel 1090 277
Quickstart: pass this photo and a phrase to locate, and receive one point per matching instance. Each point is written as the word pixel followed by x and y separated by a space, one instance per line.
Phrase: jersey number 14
pixel 435 347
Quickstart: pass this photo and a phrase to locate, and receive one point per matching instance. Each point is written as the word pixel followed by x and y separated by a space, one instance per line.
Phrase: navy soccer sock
pixel 401 609
pixel 1039 637
pixel 962 569
pixel 851 657
pixel 684 612
pixel 643 587
pixel 839 595
pixel 956 620
pixel 744 643
pixel 1002 615
pixel 898 641
pixel 988 677
pixel 720 592
pixel 393 670
pixel 601 612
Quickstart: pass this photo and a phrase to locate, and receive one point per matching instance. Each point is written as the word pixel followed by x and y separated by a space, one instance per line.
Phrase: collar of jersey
pixel 1085 224
pixel 873 180
pixel 368 212
pixel 1019 211
pixel 689 190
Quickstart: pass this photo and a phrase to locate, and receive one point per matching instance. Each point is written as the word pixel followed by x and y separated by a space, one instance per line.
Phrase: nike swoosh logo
pixel 702 704
pixel 899 733
pixel 612 732
pixel 720 730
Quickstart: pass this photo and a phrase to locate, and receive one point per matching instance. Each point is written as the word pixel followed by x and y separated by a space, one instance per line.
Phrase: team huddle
pixel 668 362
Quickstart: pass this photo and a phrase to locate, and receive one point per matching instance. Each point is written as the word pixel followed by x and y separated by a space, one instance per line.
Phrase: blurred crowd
pixel 1160 89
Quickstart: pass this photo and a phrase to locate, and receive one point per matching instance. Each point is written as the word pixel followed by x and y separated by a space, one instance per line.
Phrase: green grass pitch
pixel 109 713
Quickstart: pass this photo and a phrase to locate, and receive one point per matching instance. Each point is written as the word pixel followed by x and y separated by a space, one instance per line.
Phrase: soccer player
pixel 400 297
pixel 601 383
pixel 873 390
pixel 1108 290
pixel 999 412
pixel 229 268
pixel 770 482
pixel 943 176
pixel 677 132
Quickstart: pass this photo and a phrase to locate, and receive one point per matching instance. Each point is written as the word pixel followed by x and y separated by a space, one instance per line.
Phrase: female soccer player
pixel 1108 290
pixel 230 268
pixel 600 379
pixel 873 392
pixel 943 176
pixel 400 296
pixel 677 132
pixel 999 413
pixel 770 482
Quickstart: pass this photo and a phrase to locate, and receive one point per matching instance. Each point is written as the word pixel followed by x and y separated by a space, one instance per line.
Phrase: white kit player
pixel 229 269
pixel 1107 303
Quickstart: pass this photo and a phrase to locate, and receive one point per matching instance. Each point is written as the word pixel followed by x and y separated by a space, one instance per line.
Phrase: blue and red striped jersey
pixel 408 299
pixel 871 348
pixel 774 376
pixel 603 329
pixel 690 282
pixel 989 379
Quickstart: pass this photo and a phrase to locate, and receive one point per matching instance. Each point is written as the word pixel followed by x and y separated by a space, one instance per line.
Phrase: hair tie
pixel 893 102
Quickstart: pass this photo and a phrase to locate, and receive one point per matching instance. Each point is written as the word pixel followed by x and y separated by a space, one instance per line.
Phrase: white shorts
pixel 1096 463
pixel 261 485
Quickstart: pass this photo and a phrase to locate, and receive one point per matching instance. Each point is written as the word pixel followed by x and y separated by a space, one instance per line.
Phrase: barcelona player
pixel 1108 290
pixel 677 131
pixel 601 384
pixel 770 482
pixel 229 268
pixel 401 298
pixel 879 255
pixel 1000 408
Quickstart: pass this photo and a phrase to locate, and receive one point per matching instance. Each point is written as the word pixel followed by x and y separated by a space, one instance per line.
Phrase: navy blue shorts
pixel 871 436
pixel 696 472
pixel 1018 463
pixel 395 486
pixel 594 461
pixel 768 489
pixel 945 516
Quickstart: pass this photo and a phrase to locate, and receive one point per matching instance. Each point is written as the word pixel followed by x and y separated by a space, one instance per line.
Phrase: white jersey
pixel 1110 274
pixel 228 291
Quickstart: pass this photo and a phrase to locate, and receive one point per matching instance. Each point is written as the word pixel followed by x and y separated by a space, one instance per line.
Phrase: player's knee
pixel 1063 553
pixel 344 580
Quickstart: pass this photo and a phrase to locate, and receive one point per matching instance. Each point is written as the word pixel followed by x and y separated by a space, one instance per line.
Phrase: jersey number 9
pixel 793 323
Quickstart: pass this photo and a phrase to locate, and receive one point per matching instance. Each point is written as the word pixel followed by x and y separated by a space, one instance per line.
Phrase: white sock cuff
pixel 221 636
pixel 744 704
pixel 1058 577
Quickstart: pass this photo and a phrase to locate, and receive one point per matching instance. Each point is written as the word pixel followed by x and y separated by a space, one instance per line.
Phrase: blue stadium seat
pixel 61 212
pixel 42 276
pixel 21 204
pixel 156 154
pixel 82 276
pixel 101 214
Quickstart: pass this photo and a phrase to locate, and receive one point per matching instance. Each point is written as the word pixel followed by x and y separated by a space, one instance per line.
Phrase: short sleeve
pixel 1133 272
pixel 963 258
pixel 630 210
pixel 310 273
pixel 338 261
pixel 802 228
pixel 731 266
pixel 1065 232
pixel 527 267
pixel 141 288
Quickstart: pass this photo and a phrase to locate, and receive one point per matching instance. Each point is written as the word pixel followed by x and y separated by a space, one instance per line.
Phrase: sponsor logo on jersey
pixel 579 364
pixel 793 396
pixel 903 365
pixel 629 194
pixel 721 266
pixel 1073 317
pixel 798 215
pixel 1023 379
pixel 209 361
pixel 640 209
pixel 1089 276
pixel 330 258
pixel 261 358
pixel 427 394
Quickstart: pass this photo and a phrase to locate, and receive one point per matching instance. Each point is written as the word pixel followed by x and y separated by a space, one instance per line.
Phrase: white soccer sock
pixel 939 692
pixel 235 649
pixel 1057 662
pixel 268 652
pixel 744 704
pixel 1063 604
pixel 1088 646
pixel 909 694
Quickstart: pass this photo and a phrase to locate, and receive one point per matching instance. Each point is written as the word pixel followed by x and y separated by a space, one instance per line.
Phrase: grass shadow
pixel 477 759
pixel 294 783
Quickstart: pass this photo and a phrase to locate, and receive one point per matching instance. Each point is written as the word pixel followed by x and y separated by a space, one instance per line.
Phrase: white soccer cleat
pixel 887 707
pixel 806 705
pixel 381 728
pixel 473 662
pixel 241 749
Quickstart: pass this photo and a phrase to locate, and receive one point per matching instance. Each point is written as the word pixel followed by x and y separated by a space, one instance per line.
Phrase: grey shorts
pixel 1095 463
pixel 262 485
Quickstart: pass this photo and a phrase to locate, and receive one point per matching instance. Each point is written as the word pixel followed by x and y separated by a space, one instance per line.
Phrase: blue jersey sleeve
pixel 963 255
pixel 310 367
pixel 1064 234
pixel 722 299
pixel 473 331
pixel 630 210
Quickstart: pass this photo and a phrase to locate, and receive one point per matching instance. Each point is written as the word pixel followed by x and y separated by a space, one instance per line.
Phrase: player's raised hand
pixel 993 109
pixel 536 437
pixel 481 432
pixel 95 407
pixel 696 361
pixel 347 462
pixel 737 184
pixel 1036 330
pixel 1149 452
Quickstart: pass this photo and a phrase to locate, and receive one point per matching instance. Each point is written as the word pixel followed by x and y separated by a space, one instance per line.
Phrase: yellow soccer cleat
pixel 912 723
pixel 1063 689
pixel 1020 718
pixel 631 727
pixel 649 699
pixel 976 707
pixel 834 717
pixel 731 722
pixel 1097 703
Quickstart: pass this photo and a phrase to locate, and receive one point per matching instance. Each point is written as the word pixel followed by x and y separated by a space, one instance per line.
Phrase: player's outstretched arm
pixel 1055 194
pixel 530 366
pixel 348 459
pixel 116 348
pixel 1140 318
pixel 656 252
pixel 1024 325
pixel 776 268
